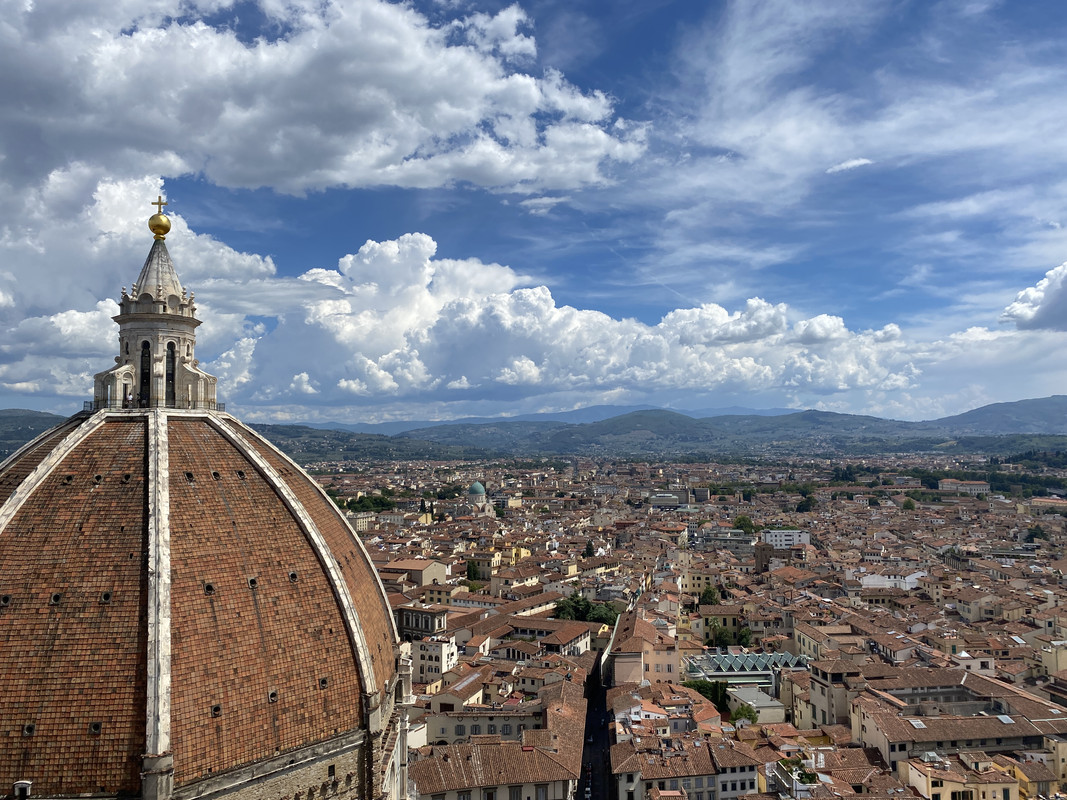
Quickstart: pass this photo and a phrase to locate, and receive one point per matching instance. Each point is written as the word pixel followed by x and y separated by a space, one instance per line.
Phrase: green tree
pixel 744 637
pixel 745 711
pixel 603 613
pixel 472 571
pixel 370 502
pixel 1036 532
pixel 908 505
pixel 589 551
pixel 744 523
pixel 715 691
pixel 709 597
pixel 807 504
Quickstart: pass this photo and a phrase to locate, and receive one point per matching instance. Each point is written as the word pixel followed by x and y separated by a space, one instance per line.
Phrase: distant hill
pixel 18 426
pixel 998 429
pixel 576 416
pixel 1045 415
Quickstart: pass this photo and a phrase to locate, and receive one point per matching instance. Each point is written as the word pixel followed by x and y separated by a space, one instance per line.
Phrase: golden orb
pixel 159 225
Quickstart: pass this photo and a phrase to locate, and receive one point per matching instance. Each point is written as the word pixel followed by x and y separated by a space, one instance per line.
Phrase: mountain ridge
pixel 997 428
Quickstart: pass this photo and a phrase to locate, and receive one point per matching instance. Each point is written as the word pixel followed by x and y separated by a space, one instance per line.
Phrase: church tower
pixel 156 365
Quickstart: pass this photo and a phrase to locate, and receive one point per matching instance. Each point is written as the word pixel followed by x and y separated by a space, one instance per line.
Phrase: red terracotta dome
pixel 183 611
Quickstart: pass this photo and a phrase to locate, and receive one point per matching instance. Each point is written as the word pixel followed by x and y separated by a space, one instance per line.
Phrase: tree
pixel 807 504
pixel 709 597
pixel 579 608
pixel 1036 532
pixel 589 551
pixel 370 502
pixel 744 523
pixel 744 637
pixel 908 505
pixel 603 613
pixel 715 691
pixel 472 571
pixel 744 711
pixel 720 637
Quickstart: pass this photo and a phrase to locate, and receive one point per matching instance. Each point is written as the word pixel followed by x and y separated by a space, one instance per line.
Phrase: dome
pixel 476 488
pixel 184 611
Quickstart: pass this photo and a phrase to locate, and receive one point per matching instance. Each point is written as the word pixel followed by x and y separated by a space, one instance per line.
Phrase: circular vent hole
pixel 95 728
pixel 241 474
pixel 216 710
pixel 189 477
pixel 216 475
pixel 324 682
pixel 68 479
pixel 272 697
pixel 97 478
pixel 126 477
pixel 209 588
pixel 293 577
pixel 5 599
pixel 253 583
pixel 105 598
pixel 29 730
pixel 55 598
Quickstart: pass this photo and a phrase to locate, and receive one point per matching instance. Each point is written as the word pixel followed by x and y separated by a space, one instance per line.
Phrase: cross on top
pixel 159 203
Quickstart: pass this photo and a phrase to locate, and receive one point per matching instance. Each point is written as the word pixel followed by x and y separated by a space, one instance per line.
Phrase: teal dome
pixel 476 488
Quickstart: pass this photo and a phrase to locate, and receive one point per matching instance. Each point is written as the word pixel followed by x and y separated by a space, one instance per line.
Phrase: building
pixel 184 612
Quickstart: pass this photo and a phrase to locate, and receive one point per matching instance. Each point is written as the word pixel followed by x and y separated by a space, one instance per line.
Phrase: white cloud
pixel 364 93
pixel 1043 305
pixel 852 163
pixel 500 34
pixel 302 384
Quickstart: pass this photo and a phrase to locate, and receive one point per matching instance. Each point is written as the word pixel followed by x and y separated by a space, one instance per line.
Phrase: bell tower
pixel 156 365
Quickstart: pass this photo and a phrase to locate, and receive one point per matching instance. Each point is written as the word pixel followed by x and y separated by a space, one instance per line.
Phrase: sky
pixel 447 208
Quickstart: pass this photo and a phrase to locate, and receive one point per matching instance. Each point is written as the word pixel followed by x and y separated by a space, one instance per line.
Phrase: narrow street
pixel 596 760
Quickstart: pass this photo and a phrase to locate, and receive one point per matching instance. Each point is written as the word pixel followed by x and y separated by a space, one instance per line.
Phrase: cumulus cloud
pixel 364 93
pixel 1043 305
pixel 395 328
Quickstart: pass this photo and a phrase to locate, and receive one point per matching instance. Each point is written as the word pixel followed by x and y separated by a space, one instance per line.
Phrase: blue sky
pixel 445 208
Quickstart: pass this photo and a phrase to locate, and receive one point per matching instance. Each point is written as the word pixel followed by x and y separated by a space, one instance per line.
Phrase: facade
pixel 433 656
pixel 175 615
pixel 784 539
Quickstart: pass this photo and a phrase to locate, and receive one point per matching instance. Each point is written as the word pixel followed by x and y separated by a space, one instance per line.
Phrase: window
pixel 488 794
pixel 514 793
pixel 490 729
pixel 541 791
pixel 506 729
pixel 629 777
pixel 461 730
pixel 463 796
pixel 699 781
pixel 670 668
pixel 937 782
pixel 646 667
pixel 674 784
pixel 476 730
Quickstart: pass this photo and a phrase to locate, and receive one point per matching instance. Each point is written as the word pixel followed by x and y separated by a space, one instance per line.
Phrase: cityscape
pixel 651 400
